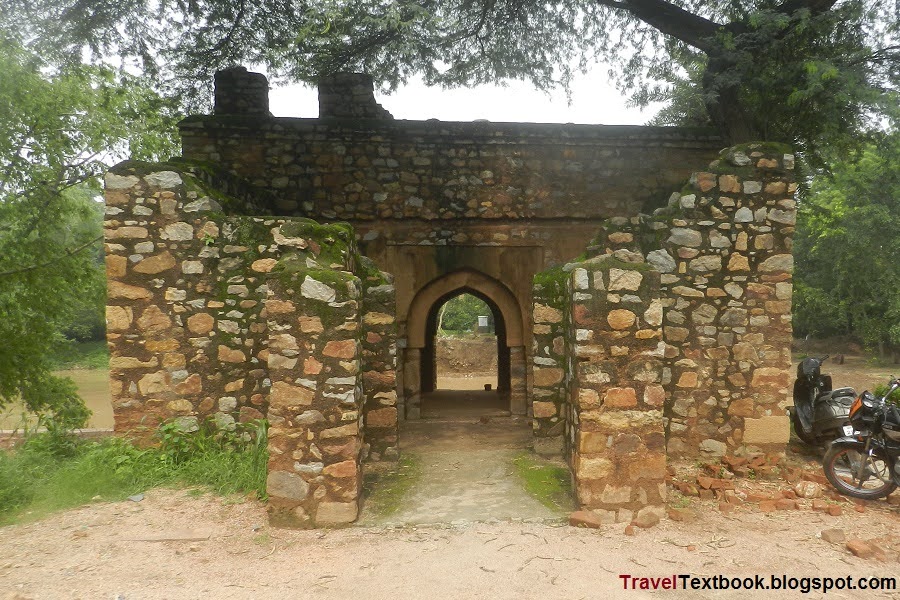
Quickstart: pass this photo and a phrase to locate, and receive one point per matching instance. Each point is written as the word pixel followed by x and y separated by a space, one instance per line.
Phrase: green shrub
pixel 38 478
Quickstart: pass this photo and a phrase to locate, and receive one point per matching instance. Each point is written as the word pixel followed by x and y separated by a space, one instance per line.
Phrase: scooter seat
pixel 844 391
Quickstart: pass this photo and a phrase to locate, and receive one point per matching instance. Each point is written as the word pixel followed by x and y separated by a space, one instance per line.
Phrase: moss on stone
pixel 384 492
pixel 548 482
pixel 764 147
pixel 552 282
pixel 614 263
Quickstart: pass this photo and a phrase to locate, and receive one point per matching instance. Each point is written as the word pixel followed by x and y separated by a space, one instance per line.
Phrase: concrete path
pixel 466 472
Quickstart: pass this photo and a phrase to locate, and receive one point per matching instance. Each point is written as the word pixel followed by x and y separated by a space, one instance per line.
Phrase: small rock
pixel 833 536
pixel 585 518
pixel 691 548
pixel 684 515
pixel 629 530
pixel 726 508
pixel 834 510
pixel 646 518
pixel 860 548
pixel 807 489
pixel 786 504
pixel 767 506
pixel 136 497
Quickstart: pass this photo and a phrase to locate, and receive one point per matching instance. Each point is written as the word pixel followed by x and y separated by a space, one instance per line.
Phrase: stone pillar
pixel 379 346
pixel 619 458
pixel 241 92
pixel 518 393
pixel 412 382
pixel 315 406
pixel 549 369
pixel 349 96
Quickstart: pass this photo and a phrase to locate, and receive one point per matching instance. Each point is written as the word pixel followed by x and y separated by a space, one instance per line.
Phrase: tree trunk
pixel 724 105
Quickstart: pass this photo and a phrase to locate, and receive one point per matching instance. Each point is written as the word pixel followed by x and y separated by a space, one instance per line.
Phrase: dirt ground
pixel 172 545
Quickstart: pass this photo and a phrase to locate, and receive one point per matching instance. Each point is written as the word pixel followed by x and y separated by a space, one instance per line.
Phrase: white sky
pixel 594 100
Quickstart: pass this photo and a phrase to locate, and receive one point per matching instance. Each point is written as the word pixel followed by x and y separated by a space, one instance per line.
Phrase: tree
pixel 58 130
pixel 848 249
pixel 809 72
pixel 460 313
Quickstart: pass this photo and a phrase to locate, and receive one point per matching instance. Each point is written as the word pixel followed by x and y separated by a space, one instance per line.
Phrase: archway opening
pixel 468 336
pixel 447 389
pixel 420 369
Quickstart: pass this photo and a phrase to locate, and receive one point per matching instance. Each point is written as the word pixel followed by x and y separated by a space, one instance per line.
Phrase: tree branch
pixel 672 20
pixel 67 253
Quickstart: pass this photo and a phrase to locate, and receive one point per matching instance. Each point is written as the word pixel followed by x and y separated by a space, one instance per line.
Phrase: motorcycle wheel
pixel 842 468
pixel 808 439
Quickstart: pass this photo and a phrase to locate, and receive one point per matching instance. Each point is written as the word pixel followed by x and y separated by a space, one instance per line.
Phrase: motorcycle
pixel 866 463
pixel 819 413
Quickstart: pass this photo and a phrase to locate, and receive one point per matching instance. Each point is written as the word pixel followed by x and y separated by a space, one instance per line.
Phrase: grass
pixel 49 473
pixel 549 483
pixel 384 492
pixel 81 355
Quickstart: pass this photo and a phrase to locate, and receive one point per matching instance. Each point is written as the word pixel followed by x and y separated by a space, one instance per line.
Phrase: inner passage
pixel 466 345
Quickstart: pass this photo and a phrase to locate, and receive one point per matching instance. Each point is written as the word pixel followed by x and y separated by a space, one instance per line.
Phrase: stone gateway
pixel 292 269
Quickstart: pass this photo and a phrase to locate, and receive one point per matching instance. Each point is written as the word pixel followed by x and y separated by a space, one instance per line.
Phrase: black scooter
pixel 820 413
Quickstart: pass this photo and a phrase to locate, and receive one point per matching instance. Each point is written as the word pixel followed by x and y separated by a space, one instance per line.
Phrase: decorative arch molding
pixel 462 281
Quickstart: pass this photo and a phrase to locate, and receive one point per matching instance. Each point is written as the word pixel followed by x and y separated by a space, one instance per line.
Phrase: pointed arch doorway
pixel 419 356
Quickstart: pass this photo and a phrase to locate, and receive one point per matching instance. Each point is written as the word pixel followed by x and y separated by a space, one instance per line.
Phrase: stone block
pixel 336 513
pixel 767 430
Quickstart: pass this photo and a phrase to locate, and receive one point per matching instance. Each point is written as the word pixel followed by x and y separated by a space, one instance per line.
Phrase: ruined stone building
pixel 639 279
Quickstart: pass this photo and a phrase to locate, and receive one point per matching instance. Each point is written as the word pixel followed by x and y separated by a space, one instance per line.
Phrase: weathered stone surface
pixel 779 262
pixel 685 237
pixel 767 430
pixel 230 355
pixel 155 264
pixel 154 320
pixel 544 410
pixel 316 290
pixel 620 398
pixel 585 518
pixel 290 486
pixel 285 394
pixel 336 513
pixel 178 232
pixel 119 290
pixel 163 179
pixel 546 314
pixel 340 349
pixel 118 318
pixel 706 264
pixel 662 261
pixel 544 376
pixel 620 318
pixel 201 323
pixel 119 182
pixel 620 279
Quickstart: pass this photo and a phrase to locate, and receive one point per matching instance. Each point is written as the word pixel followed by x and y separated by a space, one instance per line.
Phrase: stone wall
pixel 617 442
pixel 233 318
pixel 429 198
pixel 551 354
pixel 695 346
pixel 723 246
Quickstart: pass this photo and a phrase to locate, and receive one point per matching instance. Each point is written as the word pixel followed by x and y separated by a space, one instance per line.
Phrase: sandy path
pixel 467 473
